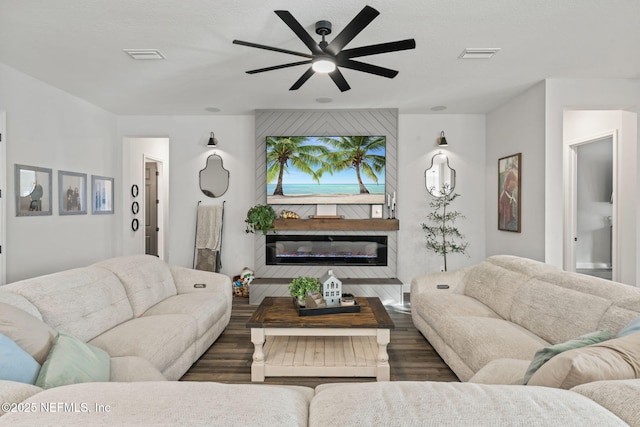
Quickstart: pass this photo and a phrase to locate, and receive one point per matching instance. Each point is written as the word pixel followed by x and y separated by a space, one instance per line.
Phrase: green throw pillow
pixel 72 361
pixel 545 354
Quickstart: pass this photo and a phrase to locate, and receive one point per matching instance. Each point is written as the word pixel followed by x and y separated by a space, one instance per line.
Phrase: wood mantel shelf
pixel 338 224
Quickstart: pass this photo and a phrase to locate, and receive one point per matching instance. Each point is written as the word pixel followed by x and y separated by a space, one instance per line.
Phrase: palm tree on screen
pixel 356 152
pixel 294 151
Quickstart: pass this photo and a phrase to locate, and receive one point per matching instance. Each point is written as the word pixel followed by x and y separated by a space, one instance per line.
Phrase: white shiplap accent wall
pixel 326 123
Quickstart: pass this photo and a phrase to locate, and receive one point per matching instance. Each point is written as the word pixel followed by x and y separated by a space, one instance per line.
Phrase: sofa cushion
pixel 556 314
pixel 83 302
pixel 159 339
pixel 495 281
pixel 543 355
pixel 615 359
pixel 479 340
pixel 146 279
pixel 632 328
pixel 425 403
pixel 18 301
pixel 205 307
pixel 617 317
pixel 620 397
pixel 172 403
pixel 15 363
pixel 31 334
pixel 14 392
pixel 437 307
pixel 72 361
pixel 501 371
pixel 133 368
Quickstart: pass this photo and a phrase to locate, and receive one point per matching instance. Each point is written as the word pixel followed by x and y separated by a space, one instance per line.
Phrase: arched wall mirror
pixel 440 179
pixel 214 178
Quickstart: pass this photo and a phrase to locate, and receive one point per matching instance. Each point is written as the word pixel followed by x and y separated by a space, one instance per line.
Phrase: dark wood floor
pixel 228 360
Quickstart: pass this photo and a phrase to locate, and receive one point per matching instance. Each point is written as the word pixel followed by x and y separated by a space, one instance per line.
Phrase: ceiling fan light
pixel 323 65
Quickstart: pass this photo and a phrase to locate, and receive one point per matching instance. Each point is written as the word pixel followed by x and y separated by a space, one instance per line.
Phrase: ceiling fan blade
pixel 277 67
pixel 375 49
pixel 353 28
pixel 306 76
pixel 368 68
pixel 339 80
pixel 299 30
pixel 275 49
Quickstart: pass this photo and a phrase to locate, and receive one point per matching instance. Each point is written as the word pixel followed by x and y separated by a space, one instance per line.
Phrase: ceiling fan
pixel 327 57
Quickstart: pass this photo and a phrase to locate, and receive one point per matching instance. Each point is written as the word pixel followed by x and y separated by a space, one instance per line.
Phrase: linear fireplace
pixel 326 250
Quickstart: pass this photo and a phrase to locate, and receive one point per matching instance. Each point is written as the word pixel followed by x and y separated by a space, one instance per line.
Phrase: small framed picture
pixel 33 190
pixel 72 189
pixel 509 193
pixel 376 211
pixel 101 195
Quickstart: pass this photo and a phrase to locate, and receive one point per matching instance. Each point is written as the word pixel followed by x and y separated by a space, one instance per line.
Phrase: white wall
pixel 518 127
pixel 417 137
pixel 50 128
pixel 188 136
pixel 590 94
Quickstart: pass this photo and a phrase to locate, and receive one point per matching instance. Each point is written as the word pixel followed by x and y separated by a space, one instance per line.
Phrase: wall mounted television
pixel 326 169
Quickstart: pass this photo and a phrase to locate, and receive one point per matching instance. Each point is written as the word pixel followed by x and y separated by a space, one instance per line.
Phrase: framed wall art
pixel 101 195
pixel 33 190
pixel 509 193
pixel 72 193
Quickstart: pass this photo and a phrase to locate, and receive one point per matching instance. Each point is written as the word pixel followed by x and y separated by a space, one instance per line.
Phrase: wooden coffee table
pixel 328 345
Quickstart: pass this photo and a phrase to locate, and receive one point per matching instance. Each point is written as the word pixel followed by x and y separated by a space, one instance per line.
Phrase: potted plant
pixel 260 217
pixel 300 286
pixel 442 236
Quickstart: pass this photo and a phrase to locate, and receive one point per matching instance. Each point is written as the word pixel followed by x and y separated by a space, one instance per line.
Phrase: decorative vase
pixel 302 302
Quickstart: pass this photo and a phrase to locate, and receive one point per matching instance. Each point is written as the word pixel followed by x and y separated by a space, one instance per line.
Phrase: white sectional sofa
pixel 493 317
pixel 146 314
pixel 402 403
pixel 154 324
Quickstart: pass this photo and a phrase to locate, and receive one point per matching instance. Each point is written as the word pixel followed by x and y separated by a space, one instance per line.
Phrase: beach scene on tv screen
pixel 326 169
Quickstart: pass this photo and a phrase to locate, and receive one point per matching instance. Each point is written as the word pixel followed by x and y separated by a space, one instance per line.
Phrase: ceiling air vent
pixel 144 53
pixel 478 53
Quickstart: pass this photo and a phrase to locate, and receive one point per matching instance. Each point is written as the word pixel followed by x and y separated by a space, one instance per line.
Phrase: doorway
pixel 151 201
pixel 591 246
pixel 136 153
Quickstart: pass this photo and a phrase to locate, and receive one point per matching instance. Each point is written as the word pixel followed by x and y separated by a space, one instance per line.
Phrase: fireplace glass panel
pixel 326 250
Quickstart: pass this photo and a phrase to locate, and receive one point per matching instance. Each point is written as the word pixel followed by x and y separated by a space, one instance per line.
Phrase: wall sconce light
pixel 442 141
pixel 213 142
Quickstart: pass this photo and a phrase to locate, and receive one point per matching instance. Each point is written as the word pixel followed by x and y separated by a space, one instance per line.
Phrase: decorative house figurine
pixel 331 289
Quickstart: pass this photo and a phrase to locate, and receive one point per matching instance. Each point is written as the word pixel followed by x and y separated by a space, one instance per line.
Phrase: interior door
pixel 151 208
pixel 591 244
pixel 594 219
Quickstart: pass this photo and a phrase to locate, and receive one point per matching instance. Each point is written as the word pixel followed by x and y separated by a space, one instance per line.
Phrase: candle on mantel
pixel 393 202
pixel 388 200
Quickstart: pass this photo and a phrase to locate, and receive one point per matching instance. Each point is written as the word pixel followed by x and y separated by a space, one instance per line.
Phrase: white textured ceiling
pixel 77 46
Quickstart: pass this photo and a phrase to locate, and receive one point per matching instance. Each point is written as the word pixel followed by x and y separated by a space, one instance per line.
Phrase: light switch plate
pixel 376 211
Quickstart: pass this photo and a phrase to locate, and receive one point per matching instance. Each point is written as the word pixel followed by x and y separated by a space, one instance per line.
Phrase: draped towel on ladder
pixel 208 238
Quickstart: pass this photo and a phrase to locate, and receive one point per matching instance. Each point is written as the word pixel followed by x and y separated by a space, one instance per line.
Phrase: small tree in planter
pixel 300 286
pixel 260 217
pixel 442 236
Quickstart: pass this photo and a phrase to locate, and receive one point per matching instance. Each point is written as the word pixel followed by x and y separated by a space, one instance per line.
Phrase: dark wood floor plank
pixel 228 360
